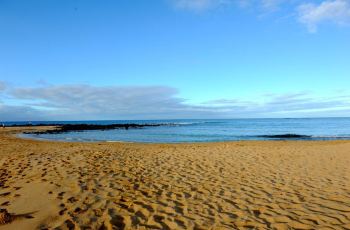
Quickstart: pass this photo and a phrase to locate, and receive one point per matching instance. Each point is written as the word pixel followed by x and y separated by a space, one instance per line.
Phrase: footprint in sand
pixel 6 217
pixel 5 194
pixel 60 195
pixel 6 203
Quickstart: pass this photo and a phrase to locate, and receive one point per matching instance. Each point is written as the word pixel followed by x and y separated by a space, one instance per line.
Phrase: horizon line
pixel 251 118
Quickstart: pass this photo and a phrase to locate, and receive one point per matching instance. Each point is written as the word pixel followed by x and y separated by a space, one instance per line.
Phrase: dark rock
pixel 85 127
pixel 286 136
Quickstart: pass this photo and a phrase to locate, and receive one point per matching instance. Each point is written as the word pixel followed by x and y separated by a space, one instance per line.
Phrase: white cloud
pixel 198 5
pixel 91 100
pixel 286 105
pixel 86 102
pixel 271 4
pixel 20 113
pixel 311 13
pixel 334 11
pixel 77 102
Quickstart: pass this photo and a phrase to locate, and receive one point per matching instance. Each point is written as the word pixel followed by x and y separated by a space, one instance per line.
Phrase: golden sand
pixel 236 185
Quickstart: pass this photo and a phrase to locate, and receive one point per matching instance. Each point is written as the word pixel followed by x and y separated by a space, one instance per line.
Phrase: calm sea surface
pixel 208 130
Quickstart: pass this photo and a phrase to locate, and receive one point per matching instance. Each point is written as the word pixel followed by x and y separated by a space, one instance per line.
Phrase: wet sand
pixel 235 185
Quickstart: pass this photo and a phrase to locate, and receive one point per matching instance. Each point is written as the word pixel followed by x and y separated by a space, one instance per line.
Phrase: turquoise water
pixel 208 130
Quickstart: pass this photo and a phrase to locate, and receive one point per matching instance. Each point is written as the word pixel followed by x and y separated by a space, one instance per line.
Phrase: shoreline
pixel 226 185
pixel 67 141
pixel 35 129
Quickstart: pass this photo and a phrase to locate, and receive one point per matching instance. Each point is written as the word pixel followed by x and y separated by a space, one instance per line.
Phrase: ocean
pixel 206 130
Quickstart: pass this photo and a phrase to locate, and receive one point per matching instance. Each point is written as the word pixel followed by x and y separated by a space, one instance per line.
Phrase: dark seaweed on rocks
pixel 85 127
pixel 286 136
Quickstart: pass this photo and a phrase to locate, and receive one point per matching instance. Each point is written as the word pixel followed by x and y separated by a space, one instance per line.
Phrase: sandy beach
pixel 233 185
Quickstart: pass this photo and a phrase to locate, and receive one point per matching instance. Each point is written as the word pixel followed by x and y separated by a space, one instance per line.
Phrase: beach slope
pixel 233 185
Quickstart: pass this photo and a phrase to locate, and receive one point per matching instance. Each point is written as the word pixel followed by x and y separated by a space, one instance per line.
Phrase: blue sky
pixel 174 59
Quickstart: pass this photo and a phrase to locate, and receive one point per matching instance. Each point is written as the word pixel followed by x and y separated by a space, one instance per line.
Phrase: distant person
pixel 3 125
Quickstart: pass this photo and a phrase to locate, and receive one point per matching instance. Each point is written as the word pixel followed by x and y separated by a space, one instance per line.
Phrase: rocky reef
pixel 62 128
